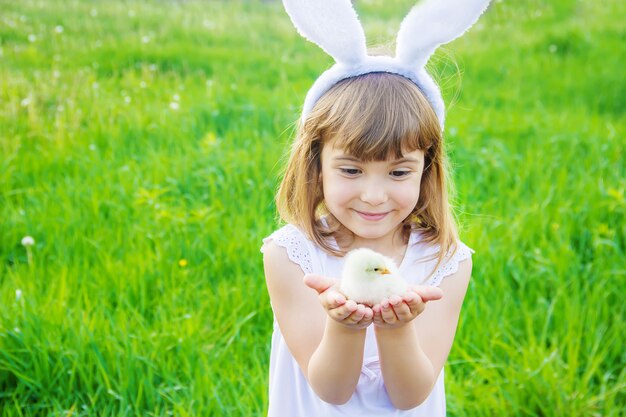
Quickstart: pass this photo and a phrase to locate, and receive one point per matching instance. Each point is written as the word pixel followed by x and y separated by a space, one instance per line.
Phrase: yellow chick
pixel 368 277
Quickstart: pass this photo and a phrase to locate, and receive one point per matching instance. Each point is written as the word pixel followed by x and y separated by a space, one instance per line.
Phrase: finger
pixel 428 293
pixel 318 283
pixel 367 316
pixel 356 316
pixel 341 313
pixel 369 313
pixel 395 300
pixel 414 302
pixel 388 315
pixel 402 311
pixel 332 299
pixel 409 297
pixel 377 318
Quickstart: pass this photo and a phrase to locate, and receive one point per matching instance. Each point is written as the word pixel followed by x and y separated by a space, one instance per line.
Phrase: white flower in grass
pixel 176 97
pixel 18 295
pixel 25 102
pixel 93 13
pixel 58 29
pixel 28 241
pixel 92 147
pixel 127 100
pixel 32 38
pixel 552 48
pixel 145 39
pixel 174 105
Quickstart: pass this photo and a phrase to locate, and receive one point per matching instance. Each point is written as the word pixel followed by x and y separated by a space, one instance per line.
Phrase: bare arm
pixel 412 354
pixel 329 351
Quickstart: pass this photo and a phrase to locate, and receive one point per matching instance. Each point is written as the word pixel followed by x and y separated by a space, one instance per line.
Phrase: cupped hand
pixel 344 311
pixel 396 311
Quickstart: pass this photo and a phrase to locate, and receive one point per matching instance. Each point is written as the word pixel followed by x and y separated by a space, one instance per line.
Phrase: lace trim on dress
pixel 292 239
pixel 450 266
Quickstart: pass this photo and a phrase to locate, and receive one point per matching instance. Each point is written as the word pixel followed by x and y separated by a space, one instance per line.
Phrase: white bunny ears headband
pixel 334 26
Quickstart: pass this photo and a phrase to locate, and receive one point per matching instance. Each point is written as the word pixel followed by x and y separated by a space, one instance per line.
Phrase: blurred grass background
pixel 140 147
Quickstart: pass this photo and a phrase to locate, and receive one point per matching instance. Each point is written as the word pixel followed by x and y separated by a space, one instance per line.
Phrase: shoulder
pixel 289 246
pixel 286 258
pixel 457 260
pixel 285 234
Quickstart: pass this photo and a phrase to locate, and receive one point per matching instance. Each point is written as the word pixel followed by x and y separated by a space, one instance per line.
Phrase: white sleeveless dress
pixel 289 392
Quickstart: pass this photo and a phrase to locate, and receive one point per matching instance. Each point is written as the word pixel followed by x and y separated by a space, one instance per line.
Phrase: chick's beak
pixel 385 271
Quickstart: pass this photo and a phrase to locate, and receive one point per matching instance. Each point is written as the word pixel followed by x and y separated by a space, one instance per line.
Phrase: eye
pixel 350 171
pixel 376 269
pixel 399 174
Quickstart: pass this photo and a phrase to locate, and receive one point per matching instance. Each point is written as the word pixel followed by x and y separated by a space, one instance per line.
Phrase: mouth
pixel 372 216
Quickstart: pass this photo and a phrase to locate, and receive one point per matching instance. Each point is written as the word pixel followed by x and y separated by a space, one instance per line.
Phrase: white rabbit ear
pixel 331 24
pixel 432 23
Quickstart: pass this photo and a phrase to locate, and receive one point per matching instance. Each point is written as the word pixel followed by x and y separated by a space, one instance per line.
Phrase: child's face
pixel 371 199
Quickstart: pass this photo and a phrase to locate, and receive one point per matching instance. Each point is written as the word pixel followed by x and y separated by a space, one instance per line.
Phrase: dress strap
pixel 450 265
pixel 296 244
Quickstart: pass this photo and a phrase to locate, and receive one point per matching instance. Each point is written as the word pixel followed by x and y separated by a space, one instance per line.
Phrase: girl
pixel 367 169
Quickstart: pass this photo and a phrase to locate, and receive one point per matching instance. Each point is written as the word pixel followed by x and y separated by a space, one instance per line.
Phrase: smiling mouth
pixel 372 216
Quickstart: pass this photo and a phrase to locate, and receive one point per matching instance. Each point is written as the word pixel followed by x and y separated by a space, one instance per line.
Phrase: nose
pixel 374 193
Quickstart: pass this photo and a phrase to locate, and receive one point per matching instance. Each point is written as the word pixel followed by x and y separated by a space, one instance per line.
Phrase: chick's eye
pixel 376 269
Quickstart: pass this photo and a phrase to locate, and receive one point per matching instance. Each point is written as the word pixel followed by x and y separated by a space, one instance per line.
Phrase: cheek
pixel 335 192
pixel 409 195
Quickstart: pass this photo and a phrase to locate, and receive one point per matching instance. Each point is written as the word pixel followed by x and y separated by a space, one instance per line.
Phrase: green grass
pixel 117 185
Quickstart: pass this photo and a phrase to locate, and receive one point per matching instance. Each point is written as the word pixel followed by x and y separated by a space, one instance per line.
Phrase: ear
pixel 331 24
pixel 433 23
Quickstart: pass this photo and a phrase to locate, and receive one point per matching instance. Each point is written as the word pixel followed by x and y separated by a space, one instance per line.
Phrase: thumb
pixel 428 293
pixel 318 283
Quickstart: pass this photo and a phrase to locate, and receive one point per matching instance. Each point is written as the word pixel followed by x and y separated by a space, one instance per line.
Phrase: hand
pixel 396 311
pixel 344 311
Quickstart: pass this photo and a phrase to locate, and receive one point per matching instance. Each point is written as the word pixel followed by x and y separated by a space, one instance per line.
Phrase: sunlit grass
pixel 140 144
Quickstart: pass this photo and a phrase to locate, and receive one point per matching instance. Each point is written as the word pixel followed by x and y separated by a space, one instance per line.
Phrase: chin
pixel 371 231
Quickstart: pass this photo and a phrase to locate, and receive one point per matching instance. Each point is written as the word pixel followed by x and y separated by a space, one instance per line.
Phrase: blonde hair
pixel 374 117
